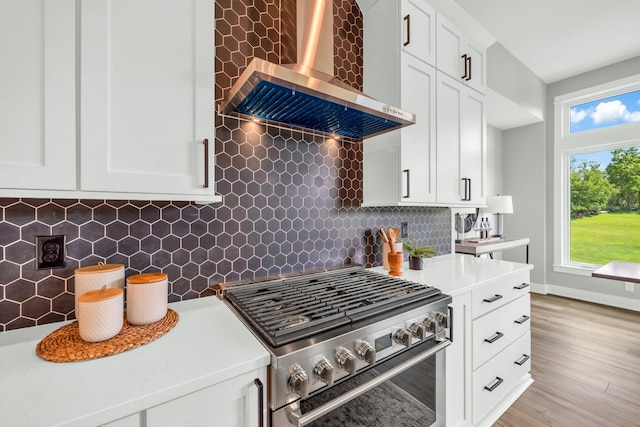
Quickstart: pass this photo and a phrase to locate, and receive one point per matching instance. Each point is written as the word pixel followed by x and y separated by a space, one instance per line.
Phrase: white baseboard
pixel 579 294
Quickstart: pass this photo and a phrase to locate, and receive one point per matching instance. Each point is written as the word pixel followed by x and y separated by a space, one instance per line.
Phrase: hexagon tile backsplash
pixel 287 207
pixel 290 200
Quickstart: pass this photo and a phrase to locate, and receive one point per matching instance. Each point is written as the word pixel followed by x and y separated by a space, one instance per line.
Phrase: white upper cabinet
pixel 418 30
pixel 37 94
pixel 143 74
pixel 399 166
pixel 461 144
pixel 459 56
pixel 147 96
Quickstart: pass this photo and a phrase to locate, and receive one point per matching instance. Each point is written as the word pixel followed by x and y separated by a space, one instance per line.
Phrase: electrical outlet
pixel 629 286
pixel 51 252
pixel 404 230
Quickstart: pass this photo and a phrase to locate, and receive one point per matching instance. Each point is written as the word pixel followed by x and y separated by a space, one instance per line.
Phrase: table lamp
pixel 499 205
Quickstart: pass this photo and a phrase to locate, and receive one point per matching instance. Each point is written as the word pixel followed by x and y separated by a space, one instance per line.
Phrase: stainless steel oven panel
pixel 306 358
pixel 291 415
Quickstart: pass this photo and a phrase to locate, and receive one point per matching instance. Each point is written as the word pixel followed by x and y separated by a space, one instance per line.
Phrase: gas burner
pixel 294 321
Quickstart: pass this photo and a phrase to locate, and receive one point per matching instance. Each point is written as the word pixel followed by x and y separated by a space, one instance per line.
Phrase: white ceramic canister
pixel 101 314
pixel 385 253
pixel 94 277
pixel 147 296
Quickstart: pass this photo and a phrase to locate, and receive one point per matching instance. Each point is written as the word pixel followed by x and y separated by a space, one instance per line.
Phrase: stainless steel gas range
pixel 349 347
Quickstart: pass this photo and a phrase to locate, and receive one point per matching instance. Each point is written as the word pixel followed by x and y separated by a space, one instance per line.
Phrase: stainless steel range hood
pixel 305 95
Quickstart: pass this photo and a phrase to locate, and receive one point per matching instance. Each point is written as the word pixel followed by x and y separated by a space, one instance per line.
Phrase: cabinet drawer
pixel 495 331
pixel 493 381
pixel 500 292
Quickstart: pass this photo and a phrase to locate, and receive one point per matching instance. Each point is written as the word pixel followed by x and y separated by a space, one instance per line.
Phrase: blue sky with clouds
pixel 606 112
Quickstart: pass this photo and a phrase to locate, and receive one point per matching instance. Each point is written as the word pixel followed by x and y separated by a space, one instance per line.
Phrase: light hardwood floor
pixel 585 364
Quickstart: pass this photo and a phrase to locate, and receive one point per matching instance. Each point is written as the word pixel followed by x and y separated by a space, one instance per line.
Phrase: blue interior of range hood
pixel 272 102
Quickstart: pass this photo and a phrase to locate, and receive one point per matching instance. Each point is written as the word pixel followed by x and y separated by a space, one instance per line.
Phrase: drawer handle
pixel 522 286
pixel 493 338
pixel 494 384
pixel 521 320
pixel 522 360
pixel 494 298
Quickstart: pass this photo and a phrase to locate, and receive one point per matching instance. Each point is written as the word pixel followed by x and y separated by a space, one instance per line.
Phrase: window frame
pixel 567 144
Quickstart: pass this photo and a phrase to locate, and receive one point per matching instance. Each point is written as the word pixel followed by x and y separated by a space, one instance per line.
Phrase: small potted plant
pixel 417 253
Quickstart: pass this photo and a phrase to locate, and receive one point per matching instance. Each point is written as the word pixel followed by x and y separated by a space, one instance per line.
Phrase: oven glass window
pixel 406 400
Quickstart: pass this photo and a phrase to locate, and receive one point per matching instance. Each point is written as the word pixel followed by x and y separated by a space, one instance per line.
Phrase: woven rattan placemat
pixel 65 344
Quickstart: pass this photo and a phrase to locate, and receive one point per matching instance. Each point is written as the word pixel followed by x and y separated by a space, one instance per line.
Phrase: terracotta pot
pixel 415 263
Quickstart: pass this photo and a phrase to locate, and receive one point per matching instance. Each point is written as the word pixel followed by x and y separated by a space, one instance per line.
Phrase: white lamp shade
pixel 499 204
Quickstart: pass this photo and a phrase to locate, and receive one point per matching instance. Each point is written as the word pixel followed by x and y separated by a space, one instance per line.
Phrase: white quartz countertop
pixel 456 274
pixel 207 346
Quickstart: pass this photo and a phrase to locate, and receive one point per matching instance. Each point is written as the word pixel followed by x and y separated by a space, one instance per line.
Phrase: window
pixel 597 176
pixel 611 111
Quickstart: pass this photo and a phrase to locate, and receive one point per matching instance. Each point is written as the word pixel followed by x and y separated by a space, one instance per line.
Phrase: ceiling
pixel 557 39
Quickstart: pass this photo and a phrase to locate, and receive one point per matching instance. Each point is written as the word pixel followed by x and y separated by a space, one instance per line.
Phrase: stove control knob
pixel 443 320
pixel 431 324
pixel 299 381
pixel 418 330
pixel 366 352
pixel 346 360
pixel 323 371
pixel 402 337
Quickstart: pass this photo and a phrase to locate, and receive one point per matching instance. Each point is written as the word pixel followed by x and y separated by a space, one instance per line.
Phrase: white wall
pixel 524 177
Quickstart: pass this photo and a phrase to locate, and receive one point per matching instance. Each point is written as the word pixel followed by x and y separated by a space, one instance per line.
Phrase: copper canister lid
pixel 143 278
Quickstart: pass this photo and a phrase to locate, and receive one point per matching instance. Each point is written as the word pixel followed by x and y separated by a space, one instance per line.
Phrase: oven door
pixel 407 389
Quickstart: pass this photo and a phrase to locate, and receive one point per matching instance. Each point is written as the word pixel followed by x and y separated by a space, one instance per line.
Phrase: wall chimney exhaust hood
pixel 305 95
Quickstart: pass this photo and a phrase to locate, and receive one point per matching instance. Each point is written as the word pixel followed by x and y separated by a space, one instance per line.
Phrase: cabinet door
pixel 232 403
pixel 450 48
pixel 473 151
pixel 147 96
pixel 418 36
pixel 461 151
pixel 459 57
pixel 418 156
pixel 458 365
pixel 37 94
pixel 449 135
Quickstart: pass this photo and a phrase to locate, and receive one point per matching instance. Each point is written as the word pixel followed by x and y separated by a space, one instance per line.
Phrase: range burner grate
pixel 293 308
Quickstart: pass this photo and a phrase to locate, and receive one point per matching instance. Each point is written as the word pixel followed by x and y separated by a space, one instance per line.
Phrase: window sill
pixel 575 269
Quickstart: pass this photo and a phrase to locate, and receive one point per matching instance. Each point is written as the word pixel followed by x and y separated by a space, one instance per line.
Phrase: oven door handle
pixel 295 414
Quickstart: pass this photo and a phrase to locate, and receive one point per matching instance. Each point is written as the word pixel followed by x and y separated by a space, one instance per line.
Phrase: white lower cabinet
pixel 232 403
pixel 489 360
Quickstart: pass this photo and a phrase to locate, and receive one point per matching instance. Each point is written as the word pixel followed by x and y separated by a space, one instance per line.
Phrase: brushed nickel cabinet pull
pixel 493 338
pixel 494 384
pixel 494 298
pixel 522 360
pixel 522 286
pixel 206 163
pixel 521 320
pixel 408 21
